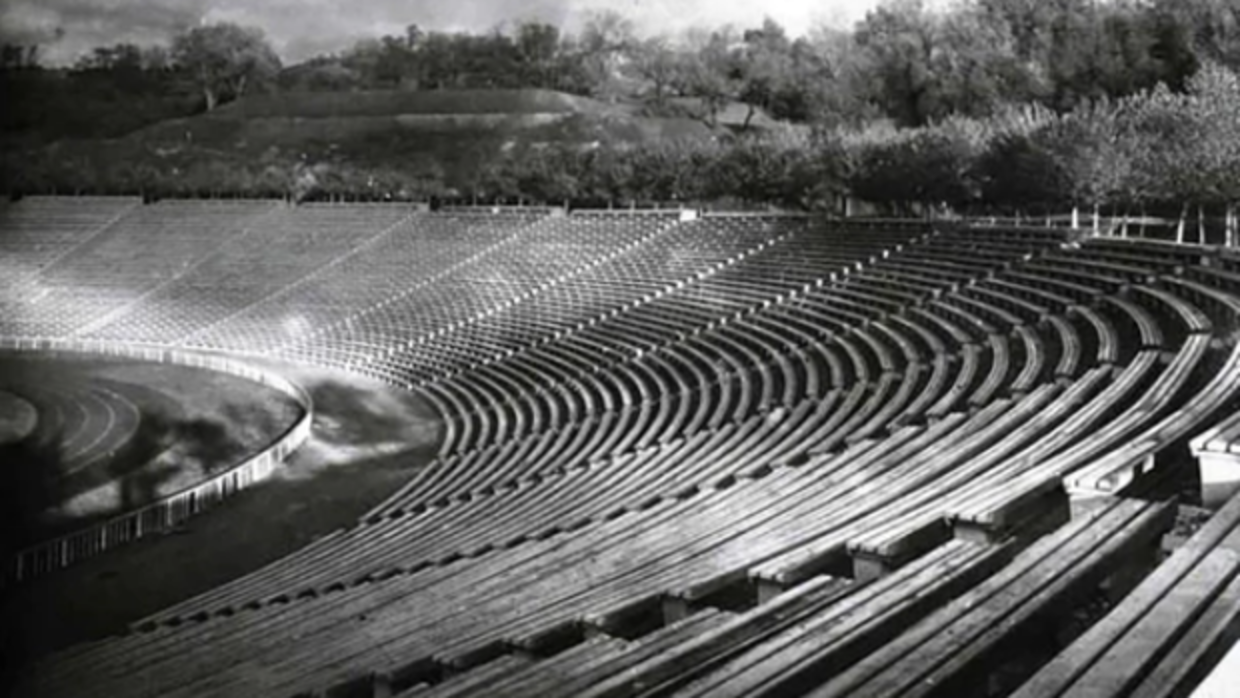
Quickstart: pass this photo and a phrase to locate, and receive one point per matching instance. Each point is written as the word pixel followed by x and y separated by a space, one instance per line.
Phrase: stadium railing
pixel 170 511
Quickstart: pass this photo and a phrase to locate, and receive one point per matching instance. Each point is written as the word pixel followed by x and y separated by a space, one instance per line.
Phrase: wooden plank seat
pixel 1191 317
pixel 1105 335
pixel 900 463
pixel 1037 474
pixel 1149 334
pixel 576 669
pixel 949 650
pixel 913 379
pixel 1035 360
pixel 916 523
pixel 866 299
pixel 789 662
pixel 783 386
pixel 502 521
pixel 631 335
pixel 949 257
pixel 786 343
pixel 996 378
pixel 915 285
pixel 884 389
pixel 1069 344
pixel 569 379
pixel 464 683
pixel 927 519
pixel 713 390
pixel 1164 635
pixel 1034 233
pixel 926 331
pixel 817 312
pixel 1125 257
pixel 928 271
pixel 1122 465
pixel 1001 300
pixel 883 358
pixel 758 358
pixel 1153 249
pixel 1088 278
pixel 826 425
pixel 488 403
pixel 1055 284
pixel 1222 305
pixel 735 384
pixel 458 415
pixel 965 310
pixel 963 384
pixel 820 536
pixel 898 334
pixel 678 664
pixel 1222 437
pixel 520 400
pixel 1084 262
pixel 1040 292
pixel 1226 278
pixel 860 370
pixel 883 289
pixel 942 320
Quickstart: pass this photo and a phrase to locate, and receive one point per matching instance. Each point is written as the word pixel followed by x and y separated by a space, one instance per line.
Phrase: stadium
pixel 664 452
pixel 555 358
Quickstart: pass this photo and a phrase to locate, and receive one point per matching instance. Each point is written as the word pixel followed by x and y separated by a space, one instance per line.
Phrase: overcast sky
pixel 301 28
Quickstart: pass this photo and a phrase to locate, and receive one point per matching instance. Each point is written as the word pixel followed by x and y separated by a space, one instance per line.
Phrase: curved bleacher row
pixel 648 418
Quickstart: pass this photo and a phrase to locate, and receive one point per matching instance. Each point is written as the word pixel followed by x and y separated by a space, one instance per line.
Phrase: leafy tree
pixel 896 41
pixel 655 61
pixel 605 39
pixel 1212 26
pixel 225 59
pixel 537 51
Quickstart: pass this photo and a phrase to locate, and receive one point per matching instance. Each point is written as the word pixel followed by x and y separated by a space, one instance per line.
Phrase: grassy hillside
pixel 318 105
pixel 257 143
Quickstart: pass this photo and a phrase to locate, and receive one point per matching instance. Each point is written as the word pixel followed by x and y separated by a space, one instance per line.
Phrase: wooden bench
pixel 951 650
pixel 792 661
pixel 1105 335
pixel 1166 634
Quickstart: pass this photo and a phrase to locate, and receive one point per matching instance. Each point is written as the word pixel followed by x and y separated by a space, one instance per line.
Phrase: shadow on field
pixel 367 441
pixel 161 456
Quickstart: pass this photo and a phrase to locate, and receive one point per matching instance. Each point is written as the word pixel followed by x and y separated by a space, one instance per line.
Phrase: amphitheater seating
pixel 944 653
pixel 606 378
pixel 40 230
pixel 237 275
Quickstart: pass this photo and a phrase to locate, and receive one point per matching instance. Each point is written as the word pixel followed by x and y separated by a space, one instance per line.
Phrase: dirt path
pixel 368 440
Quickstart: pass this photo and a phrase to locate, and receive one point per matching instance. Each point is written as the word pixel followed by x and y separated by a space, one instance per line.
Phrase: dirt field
pixel 367 441
pixel 114 435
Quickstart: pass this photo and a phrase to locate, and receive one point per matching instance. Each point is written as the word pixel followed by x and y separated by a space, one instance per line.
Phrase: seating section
pixel 738 454
pixel 42 229
pixel 239 272
pixel 135 254
pixel 1166 635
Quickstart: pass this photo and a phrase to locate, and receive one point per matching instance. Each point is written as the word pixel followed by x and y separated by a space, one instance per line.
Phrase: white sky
pixel 300 28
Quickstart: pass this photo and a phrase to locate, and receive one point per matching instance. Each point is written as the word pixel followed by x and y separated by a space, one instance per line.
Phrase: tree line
pixel 905 61
pixel 1144 152
pixel 1007 104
